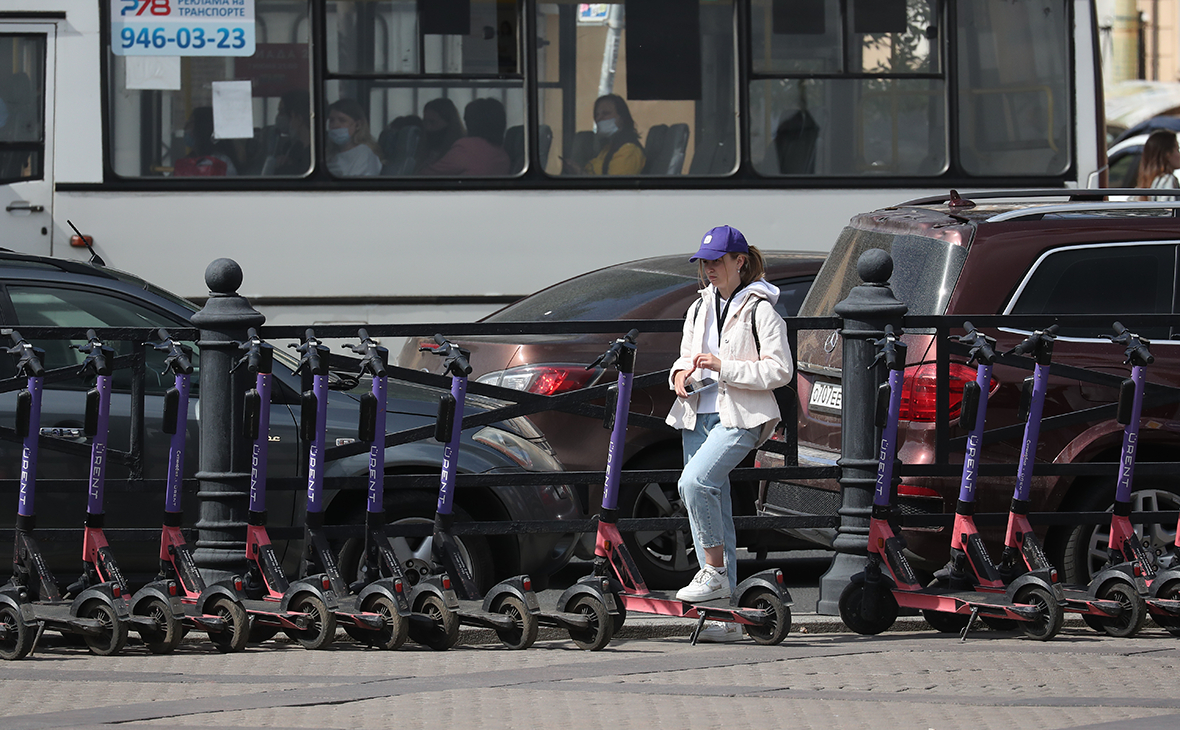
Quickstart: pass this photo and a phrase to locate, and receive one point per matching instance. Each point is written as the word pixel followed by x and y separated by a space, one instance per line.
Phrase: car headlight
pixel 520 450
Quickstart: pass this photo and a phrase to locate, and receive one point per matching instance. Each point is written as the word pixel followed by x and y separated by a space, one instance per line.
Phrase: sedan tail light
pixel 918 402
pixel 543 379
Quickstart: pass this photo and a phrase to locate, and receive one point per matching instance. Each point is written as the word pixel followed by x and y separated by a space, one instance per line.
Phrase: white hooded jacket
pixel 748 377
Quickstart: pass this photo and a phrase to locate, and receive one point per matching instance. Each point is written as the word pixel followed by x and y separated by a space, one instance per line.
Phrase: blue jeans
pixel 711 451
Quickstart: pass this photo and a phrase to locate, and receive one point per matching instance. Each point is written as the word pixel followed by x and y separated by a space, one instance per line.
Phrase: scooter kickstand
pixel 970 623
pixel 697 631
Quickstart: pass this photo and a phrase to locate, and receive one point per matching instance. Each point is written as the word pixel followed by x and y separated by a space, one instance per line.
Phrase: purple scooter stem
pixel 29 451
pixel 258 452
pixel 176 450
pixel 882 495
pixel 446 495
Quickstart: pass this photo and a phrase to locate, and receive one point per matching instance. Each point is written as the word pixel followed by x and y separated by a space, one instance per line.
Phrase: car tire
pixel 412 507
pixel 1084 549
pixel 666 559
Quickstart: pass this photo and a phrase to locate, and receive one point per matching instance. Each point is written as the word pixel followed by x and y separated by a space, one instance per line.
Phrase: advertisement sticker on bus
pixel 182 27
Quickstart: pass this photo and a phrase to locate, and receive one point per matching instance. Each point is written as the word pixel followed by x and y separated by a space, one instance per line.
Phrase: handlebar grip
pixel 1119 329
pixel 16 337
pixel 363 334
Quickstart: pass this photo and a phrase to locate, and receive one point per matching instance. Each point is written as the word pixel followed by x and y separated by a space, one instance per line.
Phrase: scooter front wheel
pixel 1045 626
pixel 443 632
pixel 524 633
pixel 168 633
pixel 113 636
pixel 18 638
pixel 1130 621
pixel 778 616
pixel 601 628
pixel 396 629
pixel 321 630
pixel 237 625
pixel 854 616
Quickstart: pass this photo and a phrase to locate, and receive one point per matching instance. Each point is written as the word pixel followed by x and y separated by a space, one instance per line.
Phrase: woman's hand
pixel 679 378
pixel 705 361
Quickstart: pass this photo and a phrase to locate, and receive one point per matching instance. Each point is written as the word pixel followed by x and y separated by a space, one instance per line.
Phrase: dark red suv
pixel 1016 253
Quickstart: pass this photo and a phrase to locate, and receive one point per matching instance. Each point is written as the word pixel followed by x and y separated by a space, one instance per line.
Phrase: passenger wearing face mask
pixel 621 153
pixel 352 151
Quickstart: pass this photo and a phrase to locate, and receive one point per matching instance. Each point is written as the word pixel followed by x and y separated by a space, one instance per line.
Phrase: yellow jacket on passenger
pixel 627 160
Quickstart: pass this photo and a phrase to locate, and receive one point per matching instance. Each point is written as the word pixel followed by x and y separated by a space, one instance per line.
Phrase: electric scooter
pixel 303 608
pixel 761 603
pixel 1113 601
pixel 422 598
pixel 157 615
pixel 510 607
pixel 870 602
pixel 32 601
pixel 217 608
pixel 378 617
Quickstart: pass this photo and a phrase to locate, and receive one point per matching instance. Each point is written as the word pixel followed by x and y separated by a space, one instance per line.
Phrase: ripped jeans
pixel 711 451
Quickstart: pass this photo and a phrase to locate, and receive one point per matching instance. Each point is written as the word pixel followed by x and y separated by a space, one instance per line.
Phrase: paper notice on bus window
pixel 154 73
pixel 233 111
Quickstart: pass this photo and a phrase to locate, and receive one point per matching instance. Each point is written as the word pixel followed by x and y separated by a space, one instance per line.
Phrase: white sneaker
pixel 706 585
pixel 721 632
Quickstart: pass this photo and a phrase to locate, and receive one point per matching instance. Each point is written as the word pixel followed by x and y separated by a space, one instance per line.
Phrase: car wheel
pixel 1085 549
pixel 417 508
pixel 666 558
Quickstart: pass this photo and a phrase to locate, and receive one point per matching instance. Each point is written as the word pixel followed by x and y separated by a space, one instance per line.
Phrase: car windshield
pixel 925 271
pixel 600 295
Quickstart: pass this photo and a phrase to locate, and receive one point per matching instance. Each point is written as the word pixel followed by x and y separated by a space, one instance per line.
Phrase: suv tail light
pixel 918 391
pixel 543 379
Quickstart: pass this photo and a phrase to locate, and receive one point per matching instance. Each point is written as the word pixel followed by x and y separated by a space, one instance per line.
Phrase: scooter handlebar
pixel 28 358
pixel 1138 349
pixel 314 354
pixel 259 357
pixel 375 360
pixel 179 356
pixel 1039 344
pixel 982 346
pixel 98 355
pixel 890 350
pixel 457 360
pixel 611 356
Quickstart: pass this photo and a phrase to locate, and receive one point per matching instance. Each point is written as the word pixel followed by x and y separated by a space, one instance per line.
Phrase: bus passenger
pixel 441 128
pixel 1157 165
pixel 481 152
pixel 352 151
pixel 614 127
pixel 206 158
pixel 293 152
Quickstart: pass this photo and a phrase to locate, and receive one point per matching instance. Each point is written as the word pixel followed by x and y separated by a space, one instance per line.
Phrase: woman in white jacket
pixel 722 423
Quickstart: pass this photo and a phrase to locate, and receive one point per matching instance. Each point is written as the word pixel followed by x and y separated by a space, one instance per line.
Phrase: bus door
pixel 26 135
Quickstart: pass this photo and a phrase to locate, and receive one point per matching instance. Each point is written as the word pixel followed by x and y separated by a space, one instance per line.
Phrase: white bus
pixel 178 131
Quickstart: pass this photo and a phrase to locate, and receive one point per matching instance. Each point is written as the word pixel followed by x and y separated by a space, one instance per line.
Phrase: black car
pixel 37 291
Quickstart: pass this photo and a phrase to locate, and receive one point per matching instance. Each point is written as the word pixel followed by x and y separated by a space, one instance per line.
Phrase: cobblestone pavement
pixel 829 681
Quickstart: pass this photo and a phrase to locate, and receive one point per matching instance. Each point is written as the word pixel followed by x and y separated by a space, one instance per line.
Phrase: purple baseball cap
pixel 720 241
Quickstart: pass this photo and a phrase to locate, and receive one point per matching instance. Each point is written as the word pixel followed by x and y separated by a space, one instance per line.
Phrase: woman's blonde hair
pixel 753 270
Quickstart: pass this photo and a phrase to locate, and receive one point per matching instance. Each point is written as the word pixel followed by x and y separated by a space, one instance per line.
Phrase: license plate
pixel 825 397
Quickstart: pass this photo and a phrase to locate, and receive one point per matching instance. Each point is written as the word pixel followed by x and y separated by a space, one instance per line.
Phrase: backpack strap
pixel 754 324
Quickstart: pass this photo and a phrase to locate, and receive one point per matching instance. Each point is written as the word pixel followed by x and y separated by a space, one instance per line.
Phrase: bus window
pixel 667 70
pixel 22 107
pixel 162 119
pixel 439 85
pixel 1014 88
pixel 847 89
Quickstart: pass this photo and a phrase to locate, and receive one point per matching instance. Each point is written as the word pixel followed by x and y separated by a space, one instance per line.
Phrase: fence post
pixel 224 468
pixel 866 310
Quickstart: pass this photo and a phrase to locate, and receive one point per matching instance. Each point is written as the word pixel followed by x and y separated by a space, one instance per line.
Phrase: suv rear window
pixel 925 271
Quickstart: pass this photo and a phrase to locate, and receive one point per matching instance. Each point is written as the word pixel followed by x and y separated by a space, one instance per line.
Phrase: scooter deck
pixel 56 616
pixel 664 604
pixel 964 602
pixel 1079 600
pixel 1166 607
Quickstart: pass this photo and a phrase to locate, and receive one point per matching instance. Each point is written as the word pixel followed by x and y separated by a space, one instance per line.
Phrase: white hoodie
pixel 744 396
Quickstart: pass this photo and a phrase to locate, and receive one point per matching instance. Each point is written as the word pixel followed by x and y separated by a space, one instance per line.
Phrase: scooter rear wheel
pixel 18 638
pixel 443 632
pixel 114 634
pixel 168 633
pixel 524 633
pixel 1051 618
pixel 322 631
pixel 237 625
pixel 779 613
pixel 601 629
pixel 395 631
pixel 1130 621
pixel 854 617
